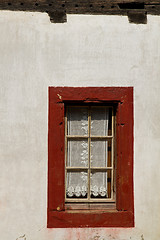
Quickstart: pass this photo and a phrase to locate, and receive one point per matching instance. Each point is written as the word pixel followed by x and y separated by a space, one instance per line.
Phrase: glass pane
pixel 100 121
pixel 101 184
pixel 77 121
pixel 77 153
pixel 77 184
pixel 101 153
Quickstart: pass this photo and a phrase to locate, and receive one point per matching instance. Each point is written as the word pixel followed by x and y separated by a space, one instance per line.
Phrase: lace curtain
pixel 78 151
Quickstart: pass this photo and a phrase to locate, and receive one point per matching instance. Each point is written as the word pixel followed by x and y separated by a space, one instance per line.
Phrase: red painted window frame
pixel 123 216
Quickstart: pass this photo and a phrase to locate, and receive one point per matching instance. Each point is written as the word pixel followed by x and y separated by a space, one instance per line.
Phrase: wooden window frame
pixel 58 215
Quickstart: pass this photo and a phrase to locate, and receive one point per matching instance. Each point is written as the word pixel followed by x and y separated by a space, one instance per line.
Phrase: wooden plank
pixel 88 206
pixel 92 137
pixel 88 218
pixel 56 156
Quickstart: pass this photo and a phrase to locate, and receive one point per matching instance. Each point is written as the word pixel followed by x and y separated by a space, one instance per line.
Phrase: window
pixel 89 154
pixel 90 168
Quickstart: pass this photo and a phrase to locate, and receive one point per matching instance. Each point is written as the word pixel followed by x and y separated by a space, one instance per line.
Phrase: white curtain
pixel 77 151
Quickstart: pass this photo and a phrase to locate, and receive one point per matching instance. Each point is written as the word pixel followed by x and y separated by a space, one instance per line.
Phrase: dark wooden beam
pixel 57 9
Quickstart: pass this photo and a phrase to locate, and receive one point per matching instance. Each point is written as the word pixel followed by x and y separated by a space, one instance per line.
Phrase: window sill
pixel 84 218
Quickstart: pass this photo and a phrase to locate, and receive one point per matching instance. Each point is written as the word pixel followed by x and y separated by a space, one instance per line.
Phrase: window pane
pixel 77 153
pixel 101 153
pixel 77 184
pixel 77 121
pixel 101 118
pixel 101 184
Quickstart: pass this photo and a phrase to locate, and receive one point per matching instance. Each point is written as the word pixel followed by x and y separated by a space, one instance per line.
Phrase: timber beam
pixel 57 9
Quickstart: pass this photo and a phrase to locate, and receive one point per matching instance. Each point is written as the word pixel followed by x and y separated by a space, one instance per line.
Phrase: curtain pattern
pixel 77 151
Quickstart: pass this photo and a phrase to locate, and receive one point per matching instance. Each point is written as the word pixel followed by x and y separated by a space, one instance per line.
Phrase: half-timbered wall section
pixel 136 10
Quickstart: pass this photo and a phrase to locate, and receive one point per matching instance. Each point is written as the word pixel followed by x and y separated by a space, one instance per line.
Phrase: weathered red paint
pixel 124 214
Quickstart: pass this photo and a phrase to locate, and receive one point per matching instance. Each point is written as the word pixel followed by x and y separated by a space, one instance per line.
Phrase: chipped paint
pixel 22 237
pixel 59 96
pixel 142 238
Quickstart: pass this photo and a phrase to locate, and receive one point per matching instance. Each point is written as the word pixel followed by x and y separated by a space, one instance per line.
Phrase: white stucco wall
pixel 85 51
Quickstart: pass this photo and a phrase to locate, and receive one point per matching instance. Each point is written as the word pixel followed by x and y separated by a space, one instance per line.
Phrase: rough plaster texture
pixel 85 51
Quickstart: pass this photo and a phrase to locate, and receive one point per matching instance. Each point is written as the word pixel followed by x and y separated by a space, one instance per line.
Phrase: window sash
pixel 89 169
